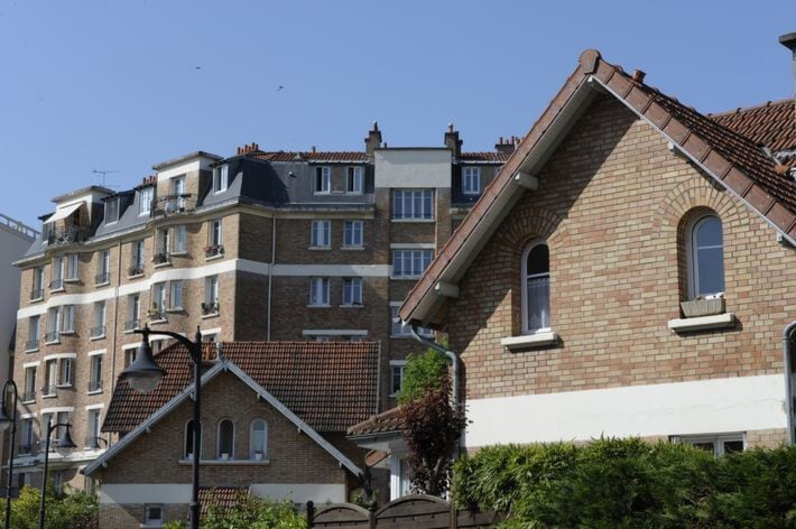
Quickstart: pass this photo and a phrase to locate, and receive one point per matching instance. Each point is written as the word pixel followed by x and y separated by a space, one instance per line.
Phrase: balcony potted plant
pixel 258 455
pixel 224 456
pixel 703 307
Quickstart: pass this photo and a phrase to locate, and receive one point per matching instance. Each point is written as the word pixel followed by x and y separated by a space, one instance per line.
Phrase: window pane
pixel 538 260
pixel 709 232
pixel 225 438
pixel 711 271
pixel 538 294
pixel 733 447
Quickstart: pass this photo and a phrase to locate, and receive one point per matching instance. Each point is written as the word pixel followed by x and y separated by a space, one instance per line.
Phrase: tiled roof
pixel 735 161
pixel 388 422
pixel 224 497
pixel 499 157
pixel 772 124
pixel 326 156
pixel 329 385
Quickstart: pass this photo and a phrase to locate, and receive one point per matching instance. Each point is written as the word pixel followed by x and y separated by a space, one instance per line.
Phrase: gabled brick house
pixel 630 271
pixel 274 416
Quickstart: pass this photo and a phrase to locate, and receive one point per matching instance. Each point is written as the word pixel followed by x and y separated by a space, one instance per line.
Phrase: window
pixel 415 204
pixel 33 333
pixel 92 439
pixel 130 354
pixel 535 288
pixel 352 234
pixel 159 299
pixel 355 178
pixel 210 305
pixel 136 258
pixel 111 210
pixel 163 245
pixel 61 418
pixel 352 291
pixel 189 439
pixel 27 436
pixel 215 234
pixel 258 440
pixel 226 440
pixel 179 239
pixel 321 234
pixel 65 372
pixel 133 312
pixel 178 193
pixel 175 294
pixel 68 324
pixel 319 291
pixel 719 445
pixel 53 325
pixel 146 196
pixel 706 259
pixel 95 383
pixel 71 267
pixel 157 345
pixel 37 291
pixel 98 330
pixel 57 281
pixel 220 178
pixel 471 181
pixel 103 268
pixel 29 393
pixel 153 513
pixel 396 376
pixel 398 329
pixel 410 263
pixel 323 180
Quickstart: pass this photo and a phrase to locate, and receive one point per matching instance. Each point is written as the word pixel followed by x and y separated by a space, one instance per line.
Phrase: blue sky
pixel 123 85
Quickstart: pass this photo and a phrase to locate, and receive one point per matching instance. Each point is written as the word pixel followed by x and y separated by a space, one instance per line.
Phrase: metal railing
pixel 56 284
pixel 210 308
pixel 32 345
pixel 98 331
pixel 29 396
pixel 135 270
pixel 68 235
pixel 161 257
pixel 52 336
pixel 95 385
pixel 103 277
pixel 49 391
pixel 37 293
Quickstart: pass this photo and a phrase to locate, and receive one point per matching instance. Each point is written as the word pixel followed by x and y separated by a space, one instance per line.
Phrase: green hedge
pixel 629 483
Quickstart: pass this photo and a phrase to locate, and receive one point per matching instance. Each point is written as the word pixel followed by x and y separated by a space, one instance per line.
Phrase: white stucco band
pixel 681 408
pixel 134 493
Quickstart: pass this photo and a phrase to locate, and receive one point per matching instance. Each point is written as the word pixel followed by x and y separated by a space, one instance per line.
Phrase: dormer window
pixel 146 196
pixel 220 178
pixel 111 210
pixel 355 180
pixel 471 181
pixel 323 180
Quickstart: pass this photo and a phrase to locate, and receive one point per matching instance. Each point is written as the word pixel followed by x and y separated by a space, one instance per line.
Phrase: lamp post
pixel 144 375
pixel 5 422
pixel 64 441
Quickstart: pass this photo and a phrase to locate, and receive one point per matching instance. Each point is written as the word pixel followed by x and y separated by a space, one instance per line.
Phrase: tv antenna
pixel 104 174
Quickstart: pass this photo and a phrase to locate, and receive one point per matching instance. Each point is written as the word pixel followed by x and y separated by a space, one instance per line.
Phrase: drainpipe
pixel 788 336
pixel 271 273
pixel 447 352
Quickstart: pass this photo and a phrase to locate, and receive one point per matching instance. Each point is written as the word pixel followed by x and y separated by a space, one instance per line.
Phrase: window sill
pixel 51 396
pixel 96 338
pixel 63 386
pixel 36 300
pixel 352 248
pixel 103 284
pixel 210 316
pixel 72 280
pixel 178 254
pixel 353 306
pixel 56 342
pixel 95 392
pixel 539 339
pixel 31 350
pixel 404 278
pixel 162 265
pixel 28 401
pixel 57 290
pixel 215 257
pixel 227 462
pixel 137 276
pixel 157 322
pixel 316 193
pixel 70 332
pixel 404 336
pixel 702 323
pixel 427 221
pixel 175 310
pixel 319 248
pixel 319 306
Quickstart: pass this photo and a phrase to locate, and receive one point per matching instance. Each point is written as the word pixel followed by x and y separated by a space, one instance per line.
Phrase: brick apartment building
pixel 259 246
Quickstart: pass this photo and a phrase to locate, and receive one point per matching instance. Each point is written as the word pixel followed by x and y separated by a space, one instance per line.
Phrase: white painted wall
pixel 681 408
pixel 419 168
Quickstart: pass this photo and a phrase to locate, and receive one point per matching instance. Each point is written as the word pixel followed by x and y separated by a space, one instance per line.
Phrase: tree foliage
pixel 422 372
pixel 249 513
pixel 629 483
pixel 70 511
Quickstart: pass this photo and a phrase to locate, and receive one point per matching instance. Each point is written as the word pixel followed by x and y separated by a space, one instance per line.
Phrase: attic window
pixel 220 178
pixel 112 210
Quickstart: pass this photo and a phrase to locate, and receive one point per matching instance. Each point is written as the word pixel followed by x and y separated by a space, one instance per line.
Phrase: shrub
pixel 629 483
pixel 70 511
pixel 422 372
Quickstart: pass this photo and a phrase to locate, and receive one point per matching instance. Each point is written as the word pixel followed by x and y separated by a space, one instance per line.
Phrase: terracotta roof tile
pixel 387 422
pixel 329 385
pixel 484 157
pixel 359 156
pixel 224 497
pixel 772 124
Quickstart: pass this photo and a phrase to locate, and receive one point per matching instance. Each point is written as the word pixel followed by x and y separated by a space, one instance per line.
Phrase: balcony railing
pixel 98 331
pixel 95 442
pixel 56 284
pixel 95 385
pixel 210 308
pixel 49 391
pixel 68 235
pixel 52 336
pixel 28 448
pixel 156 314
pixel 29 396
pixel 161 258
pixel 32 345
pixel 171 204
pixel 135 270
pixel 37 293
pixel 214 250
pixel 101 278
pixel 132 325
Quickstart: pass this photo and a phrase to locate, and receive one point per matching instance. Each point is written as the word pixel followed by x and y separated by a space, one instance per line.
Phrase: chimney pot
pixel 638 76
pixel 313 148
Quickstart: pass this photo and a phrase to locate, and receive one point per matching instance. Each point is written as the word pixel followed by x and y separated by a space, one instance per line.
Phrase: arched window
pixel 188 450
pixel 535 288
pixel 226 439
pixel 706 257
pixel 258 440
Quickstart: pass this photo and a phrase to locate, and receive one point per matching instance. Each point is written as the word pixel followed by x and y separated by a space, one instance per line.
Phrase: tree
pixel 72 511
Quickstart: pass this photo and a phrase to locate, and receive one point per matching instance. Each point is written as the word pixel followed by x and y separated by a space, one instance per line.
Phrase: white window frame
pixel 178 187
pixel 321 234
pixel 718 440
pixel 96 365
pixel 526 329
pixel 399 256
pixel 71 267
pixel 176 294
pixel 265 439
pixel 212 289
pixel 352 292
pixel 99 316
pixel 218 438
pixel 325 175
pixel 67 319
pixel 692 256
pixel 353 234
pixel 137 254
pixel 159 295
pixel 355 180
pixel 220 178
pixel 471 180
pixel 404 331
pixel 30 381
pixel 408 200
pixel 38 283
pixel 34 329
pixel 400 366
pixel 320 285
pixel 215 233
pixel 114 200
pixel 66 372
pixel 146 198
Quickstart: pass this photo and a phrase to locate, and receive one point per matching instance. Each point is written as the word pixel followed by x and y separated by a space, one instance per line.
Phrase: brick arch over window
pixel 680 207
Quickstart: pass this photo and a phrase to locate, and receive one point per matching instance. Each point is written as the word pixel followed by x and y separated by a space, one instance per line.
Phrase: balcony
pixel 95 386
pixel 29 396
pixel 49 391
pixel 98 331
pixel 32 345
pixel 69 235
pixel 132 325
pixel 28 448
pixel 156 314
pixel 57 284
pixel 135 270
pixel 161 258
pixel 210 308
pixel 102 278
pixel 36 293
pixel 52 337
pixel 171 204
pixel 95 442
pixel 214 250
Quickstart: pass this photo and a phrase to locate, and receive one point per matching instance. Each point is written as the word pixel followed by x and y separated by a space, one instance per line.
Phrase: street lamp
pixel 144 375
pixel 64 441
pixel 5 422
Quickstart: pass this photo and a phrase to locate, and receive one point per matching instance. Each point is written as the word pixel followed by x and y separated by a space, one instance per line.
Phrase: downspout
pixel 114 343
pixel 788 336
pixel 447 352
pixel 271 273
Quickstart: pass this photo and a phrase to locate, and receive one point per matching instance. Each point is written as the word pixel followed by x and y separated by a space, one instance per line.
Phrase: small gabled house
pixel 274 416
pixel 630 272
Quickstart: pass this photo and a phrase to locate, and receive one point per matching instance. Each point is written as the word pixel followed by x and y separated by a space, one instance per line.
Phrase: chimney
pixel 638 76
pixel 789 41
pixel 452 141
pixel 507 146
pixel 248 149
pixel 373 141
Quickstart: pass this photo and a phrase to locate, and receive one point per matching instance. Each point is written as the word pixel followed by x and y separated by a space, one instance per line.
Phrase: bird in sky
pixel 280 88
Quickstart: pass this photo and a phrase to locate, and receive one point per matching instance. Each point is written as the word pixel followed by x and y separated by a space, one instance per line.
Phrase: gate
pixel 414 511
